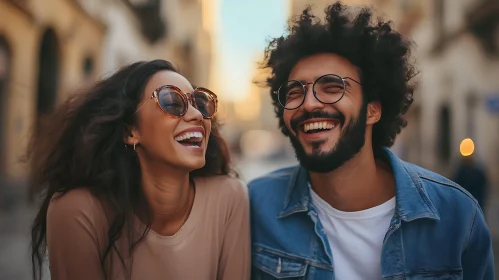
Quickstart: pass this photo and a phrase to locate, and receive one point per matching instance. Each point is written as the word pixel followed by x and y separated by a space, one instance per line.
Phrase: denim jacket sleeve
pixel 478 259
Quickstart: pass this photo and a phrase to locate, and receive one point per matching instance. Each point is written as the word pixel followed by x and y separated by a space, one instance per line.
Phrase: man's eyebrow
pixel 347 83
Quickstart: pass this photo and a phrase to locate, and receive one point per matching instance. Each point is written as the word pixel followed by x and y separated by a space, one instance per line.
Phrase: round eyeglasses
pixel 327 89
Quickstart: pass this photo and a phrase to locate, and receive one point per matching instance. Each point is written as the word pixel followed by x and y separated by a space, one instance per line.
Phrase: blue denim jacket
pixel 438 230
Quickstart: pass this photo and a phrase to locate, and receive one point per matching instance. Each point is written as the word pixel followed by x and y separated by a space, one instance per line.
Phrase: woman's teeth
pixel 318 125
pixel 189 135
pixel 190 139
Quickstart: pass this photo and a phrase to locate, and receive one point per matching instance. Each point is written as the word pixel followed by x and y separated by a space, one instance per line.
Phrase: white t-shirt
pixel 355 238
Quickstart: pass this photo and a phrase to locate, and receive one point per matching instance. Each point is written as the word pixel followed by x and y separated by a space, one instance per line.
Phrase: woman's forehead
pixel 168 78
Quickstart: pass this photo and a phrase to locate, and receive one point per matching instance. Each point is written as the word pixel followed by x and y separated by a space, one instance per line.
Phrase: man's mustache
pixel 315 114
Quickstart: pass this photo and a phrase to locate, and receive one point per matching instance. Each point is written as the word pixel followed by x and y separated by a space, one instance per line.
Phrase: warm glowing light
pixel 258 143
pixel 248 108
pixel 467 147
pixel 222 110
pixel 210 10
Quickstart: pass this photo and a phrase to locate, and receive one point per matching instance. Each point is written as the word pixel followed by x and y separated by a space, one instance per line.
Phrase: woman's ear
pixel 373 112
pixel 131 136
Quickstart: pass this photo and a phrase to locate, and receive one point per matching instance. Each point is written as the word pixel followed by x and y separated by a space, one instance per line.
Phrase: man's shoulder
pixel 438 186
pixel 275 179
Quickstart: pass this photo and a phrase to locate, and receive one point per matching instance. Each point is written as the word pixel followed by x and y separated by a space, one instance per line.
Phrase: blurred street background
pixel 51 48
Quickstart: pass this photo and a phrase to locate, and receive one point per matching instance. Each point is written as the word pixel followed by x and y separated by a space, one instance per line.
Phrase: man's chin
pixel 314 160
pixel 317 154
pixel 317 148
pixel 322 159
pixel 316 163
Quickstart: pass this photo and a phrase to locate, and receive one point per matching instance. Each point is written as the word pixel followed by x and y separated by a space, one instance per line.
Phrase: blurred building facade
pixel 458 95
pixel 457 52
pixel 50 48
pixel 176 30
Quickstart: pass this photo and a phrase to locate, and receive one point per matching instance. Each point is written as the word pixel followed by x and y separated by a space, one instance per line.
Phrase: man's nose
pixel 311 103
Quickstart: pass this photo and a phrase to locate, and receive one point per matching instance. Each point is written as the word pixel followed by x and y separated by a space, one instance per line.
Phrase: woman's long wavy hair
pixel 81 146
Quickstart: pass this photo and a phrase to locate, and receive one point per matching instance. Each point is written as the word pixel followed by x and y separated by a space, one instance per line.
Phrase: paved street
pixel 14 244
pixel 15 222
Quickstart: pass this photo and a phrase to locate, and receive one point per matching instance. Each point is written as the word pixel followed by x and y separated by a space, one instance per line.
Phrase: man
pixel 470 175
pixel 353 210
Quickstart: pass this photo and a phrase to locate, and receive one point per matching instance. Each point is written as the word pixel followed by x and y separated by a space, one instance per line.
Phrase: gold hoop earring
pixel 134 146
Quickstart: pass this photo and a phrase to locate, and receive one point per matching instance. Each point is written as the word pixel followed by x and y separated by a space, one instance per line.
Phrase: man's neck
pixel 359 184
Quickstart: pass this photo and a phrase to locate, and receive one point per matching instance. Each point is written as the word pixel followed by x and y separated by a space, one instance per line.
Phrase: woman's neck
pixel 169 196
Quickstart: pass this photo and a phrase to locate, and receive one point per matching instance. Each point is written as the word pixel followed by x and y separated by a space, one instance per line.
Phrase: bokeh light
pixel 467 147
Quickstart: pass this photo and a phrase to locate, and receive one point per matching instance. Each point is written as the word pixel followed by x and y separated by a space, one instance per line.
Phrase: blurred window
pixel 88 66
pixel 48 73
pixel 439 16
pixel 5 68
pixel 444 132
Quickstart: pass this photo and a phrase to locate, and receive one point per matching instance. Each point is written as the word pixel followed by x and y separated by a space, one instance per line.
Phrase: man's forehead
pixel 314 66
pixel 313 74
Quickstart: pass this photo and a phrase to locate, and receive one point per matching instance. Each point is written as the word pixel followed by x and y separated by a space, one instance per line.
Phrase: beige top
pixel 214 242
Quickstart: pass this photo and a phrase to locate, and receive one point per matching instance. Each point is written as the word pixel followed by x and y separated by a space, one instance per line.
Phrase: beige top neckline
pixel 189 225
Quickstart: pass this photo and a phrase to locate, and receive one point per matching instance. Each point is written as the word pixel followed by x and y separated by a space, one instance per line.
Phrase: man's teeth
pixel 318 125
pixel 189 135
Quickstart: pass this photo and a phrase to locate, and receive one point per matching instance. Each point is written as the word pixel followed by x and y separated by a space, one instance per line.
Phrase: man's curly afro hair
pixel 381 54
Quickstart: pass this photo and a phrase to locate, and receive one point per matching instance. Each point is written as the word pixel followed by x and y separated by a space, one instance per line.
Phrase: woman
pixel 136 188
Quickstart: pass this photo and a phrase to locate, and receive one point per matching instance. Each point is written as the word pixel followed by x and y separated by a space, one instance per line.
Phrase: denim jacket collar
pixel 412 201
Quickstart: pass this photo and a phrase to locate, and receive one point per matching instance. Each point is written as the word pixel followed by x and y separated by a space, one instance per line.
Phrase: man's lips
pixel 316 118
pixel 318 124
pixel 314 130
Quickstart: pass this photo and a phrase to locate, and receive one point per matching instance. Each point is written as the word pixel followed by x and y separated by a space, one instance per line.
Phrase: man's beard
pixel 350 143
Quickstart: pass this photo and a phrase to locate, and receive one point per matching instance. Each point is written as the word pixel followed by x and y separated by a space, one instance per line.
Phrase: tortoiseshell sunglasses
pixel 174 102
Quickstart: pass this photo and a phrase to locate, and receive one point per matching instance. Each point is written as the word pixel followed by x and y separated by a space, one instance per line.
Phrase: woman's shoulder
pixel 81 199
pixel 76 205
pixel 225 195
pixel 226 185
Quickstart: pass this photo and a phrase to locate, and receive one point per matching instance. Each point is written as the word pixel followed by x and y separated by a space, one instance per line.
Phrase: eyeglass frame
pixel 186 97
pixel 305 90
